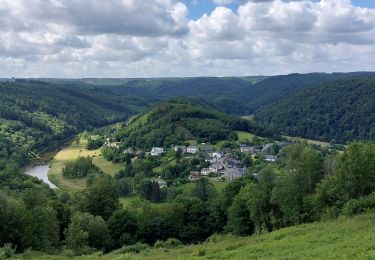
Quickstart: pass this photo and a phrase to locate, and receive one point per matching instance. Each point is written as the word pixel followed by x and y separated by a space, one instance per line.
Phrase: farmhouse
pixel 192 149
pixel 157 151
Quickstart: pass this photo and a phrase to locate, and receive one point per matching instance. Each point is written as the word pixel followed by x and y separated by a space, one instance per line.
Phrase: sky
pixel 173 38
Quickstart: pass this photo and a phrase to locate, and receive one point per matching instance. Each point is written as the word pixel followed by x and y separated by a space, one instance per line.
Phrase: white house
pixel 157 151
pixel 192 149
pixel 205 171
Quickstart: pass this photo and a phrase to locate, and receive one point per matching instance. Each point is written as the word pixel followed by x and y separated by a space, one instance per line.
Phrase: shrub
pixel 7 251
pixel 359 205
pixel 201 252
pixel 136 248
pixel 170 243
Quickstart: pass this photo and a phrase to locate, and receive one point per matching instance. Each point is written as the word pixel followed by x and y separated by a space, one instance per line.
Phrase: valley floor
pixel 344 238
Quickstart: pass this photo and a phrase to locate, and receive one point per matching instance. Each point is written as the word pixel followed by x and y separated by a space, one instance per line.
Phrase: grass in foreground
pixel 345 238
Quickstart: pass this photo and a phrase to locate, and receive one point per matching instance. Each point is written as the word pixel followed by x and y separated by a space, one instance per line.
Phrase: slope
pixel 177 121
pixel 342 110
pixel 344 238
pixel 35 115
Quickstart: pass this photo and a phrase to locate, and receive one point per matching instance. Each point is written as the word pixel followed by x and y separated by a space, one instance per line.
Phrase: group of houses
pixel 223 163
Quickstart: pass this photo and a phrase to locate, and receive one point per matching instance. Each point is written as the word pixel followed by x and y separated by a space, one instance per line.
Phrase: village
pixel 224 165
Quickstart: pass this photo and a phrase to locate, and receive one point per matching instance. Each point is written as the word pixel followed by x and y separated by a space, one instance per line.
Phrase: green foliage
pixel 7 251
pixel 360 205
pixel 340 111
pixel 87 231
pixel 100 198
pixel 149 190
pixel 78 168
pixel 178 121
pixel 169 243
pixel 352 178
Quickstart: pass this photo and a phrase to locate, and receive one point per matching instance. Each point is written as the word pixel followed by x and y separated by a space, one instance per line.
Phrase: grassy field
pixel 243 136
pixel 345 238
pixel 72 152
pixel 322 144
pixel 248 117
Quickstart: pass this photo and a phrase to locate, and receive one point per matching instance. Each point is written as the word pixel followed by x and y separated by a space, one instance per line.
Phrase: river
pixel 41 172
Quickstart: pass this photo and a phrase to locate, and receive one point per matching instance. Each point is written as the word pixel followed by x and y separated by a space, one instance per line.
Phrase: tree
pixel 204 189
pixel 239 219
pixel 123 227
pixel 259 198
pixel 303 171
pixel 100 198
pixel 353 177
pixel 85 232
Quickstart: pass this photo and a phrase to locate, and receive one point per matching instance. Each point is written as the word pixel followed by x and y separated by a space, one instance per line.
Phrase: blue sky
pixel 198 7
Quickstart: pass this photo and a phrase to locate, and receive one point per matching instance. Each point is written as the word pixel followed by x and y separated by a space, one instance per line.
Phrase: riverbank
pixel 72 152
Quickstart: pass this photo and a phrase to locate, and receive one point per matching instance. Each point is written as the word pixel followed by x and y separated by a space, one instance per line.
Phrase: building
pixel 180 148
pixel 161 183
pixel 270 158
pixel 157 151
pixel 218 155
pixel 267 148
pixel 192 149
pixel 249 149
pixel 215 167
pixel 194 176
pixel 205 171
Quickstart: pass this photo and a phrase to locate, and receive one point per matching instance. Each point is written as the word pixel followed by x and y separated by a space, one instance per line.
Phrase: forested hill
pixel 179 120
pixel 37 115
pixel 342 110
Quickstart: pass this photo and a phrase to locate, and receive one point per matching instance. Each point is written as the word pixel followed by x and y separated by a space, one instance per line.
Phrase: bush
pixel 169 243
pixel 201 252
pixel 353 207
pixel 7 251
pixel 136 248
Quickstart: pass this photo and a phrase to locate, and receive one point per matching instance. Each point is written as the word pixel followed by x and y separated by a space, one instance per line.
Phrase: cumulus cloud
pixel 130 38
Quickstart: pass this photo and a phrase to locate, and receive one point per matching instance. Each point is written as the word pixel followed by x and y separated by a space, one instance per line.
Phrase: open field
pixel 248 117
pixel 72 152
pixel 322 144
pixel 243 136
pixel 344 238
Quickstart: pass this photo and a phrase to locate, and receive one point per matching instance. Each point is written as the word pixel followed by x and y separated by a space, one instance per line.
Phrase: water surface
pixel 40 172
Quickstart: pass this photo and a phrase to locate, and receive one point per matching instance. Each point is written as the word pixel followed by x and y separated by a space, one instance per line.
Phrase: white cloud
pixel 130 38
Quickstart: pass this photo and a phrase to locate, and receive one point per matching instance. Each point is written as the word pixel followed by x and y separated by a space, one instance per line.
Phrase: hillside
pixel 177 121
pixel 345 238
pixel 342 110
pixel 35 116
